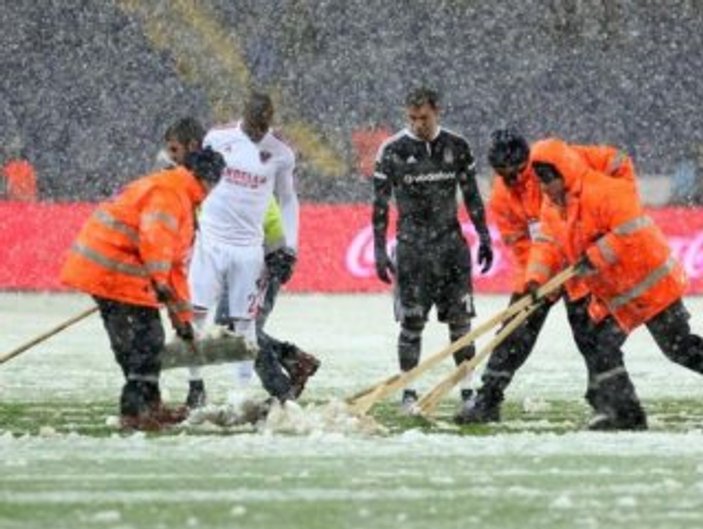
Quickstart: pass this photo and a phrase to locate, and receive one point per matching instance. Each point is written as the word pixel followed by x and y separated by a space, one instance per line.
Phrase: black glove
pixel 185 332
pixel 384 265
pixel 531 288
pixel 584 266
pixel 164 293
pixel 281 263
pixel 485 254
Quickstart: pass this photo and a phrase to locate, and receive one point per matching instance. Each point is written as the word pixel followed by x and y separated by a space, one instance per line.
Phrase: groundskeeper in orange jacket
pixel 635 275
pixel 516 209
pixel 140 238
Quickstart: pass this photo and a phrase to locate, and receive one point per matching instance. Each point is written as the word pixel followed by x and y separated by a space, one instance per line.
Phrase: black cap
pixel 207 165
pixel 508 148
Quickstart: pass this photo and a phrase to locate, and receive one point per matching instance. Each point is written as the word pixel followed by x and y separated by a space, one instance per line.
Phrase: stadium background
pixel 89 88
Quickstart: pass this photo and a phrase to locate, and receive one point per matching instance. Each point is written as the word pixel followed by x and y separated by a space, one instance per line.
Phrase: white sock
pixel 243 374
pixel 244 370
pixel 467 382
pixel 246 328
pixel 194 373
pixel 199 322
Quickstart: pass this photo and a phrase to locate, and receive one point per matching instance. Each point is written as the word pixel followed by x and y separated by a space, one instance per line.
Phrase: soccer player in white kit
pixel 229 245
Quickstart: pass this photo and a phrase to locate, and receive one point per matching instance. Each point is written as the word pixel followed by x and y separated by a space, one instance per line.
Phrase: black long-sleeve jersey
pixel 423 177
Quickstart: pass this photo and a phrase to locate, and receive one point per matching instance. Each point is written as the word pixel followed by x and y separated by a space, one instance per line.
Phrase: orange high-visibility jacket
pixel 636 276
pixel 21 181
pixel 516 210
pixel 141 236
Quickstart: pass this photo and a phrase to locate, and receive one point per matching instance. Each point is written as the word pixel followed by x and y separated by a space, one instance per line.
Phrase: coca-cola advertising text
pixel 335 254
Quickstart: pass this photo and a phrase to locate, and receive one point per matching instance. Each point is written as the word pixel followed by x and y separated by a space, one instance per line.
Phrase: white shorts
pixel 215 265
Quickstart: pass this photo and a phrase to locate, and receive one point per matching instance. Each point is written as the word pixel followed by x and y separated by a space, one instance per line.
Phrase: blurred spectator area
pixel 90 87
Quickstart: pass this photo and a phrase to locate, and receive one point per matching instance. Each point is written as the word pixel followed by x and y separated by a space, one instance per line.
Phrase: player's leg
pixel 287 366
pixel 246 284
pixel 206 283
pixel 452 294
pixel 268 364
pixel 411 303
pixel 222 311
pixel 273 286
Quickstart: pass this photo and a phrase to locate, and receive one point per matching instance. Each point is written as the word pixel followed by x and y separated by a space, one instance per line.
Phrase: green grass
pixel 559 416
pixel 63 467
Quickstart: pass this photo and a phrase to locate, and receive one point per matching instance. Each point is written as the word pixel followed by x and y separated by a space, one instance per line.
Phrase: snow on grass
pixel 314 466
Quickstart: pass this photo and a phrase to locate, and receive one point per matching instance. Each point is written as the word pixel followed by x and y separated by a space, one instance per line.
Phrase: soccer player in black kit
pixel 421 167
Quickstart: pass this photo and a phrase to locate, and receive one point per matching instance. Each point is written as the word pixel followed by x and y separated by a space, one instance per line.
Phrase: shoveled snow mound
pixel 289 418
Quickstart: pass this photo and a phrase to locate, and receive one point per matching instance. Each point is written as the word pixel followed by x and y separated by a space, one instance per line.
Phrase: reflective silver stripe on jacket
pixel 539 268
pixel 111 222
pixel 606 250
pixel 110 264
pixel 159 216
pixel 158 266
pixel 541 237
pixel 511 239
pixel 181 306
pixel 626 228
pixel 616 163
pixel 632 225
pixel 648 282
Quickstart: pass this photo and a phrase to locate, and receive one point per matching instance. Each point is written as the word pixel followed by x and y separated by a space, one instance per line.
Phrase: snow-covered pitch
pixel 312 467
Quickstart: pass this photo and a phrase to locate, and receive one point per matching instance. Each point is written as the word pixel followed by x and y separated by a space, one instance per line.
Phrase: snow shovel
pixel 364 400
pixel 48 334
pixel 428 402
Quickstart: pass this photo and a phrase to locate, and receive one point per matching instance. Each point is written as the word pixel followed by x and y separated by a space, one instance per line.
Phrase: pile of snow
pixel 333 416
pixel 289 418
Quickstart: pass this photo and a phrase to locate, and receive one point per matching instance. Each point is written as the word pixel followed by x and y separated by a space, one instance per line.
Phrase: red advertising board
pixel 336 247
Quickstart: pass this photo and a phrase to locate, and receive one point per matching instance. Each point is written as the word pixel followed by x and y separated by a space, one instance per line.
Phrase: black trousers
pixel 509 356
pixel 610 389
pixel 599 344
pixel 671 331
pixel 136 337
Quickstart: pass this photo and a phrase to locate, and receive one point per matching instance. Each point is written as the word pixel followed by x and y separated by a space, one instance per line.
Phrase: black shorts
pixel 437 273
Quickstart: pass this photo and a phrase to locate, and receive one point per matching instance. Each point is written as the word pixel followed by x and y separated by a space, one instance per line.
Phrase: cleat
pixel 139 423
pixel 467 395
pixel 157 419
pixel 300 370
pixel 169 416
pixel 197 398
pixel 408 403
pixel 603 422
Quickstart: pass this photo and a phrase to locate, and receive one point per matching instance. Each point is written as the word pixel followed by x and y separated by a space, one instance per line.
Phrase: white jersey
pixel 233 213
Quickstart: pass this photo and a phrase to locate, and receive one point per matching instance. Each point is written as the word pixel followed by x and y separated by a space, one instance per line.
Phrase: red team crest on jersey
pixel 264 156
